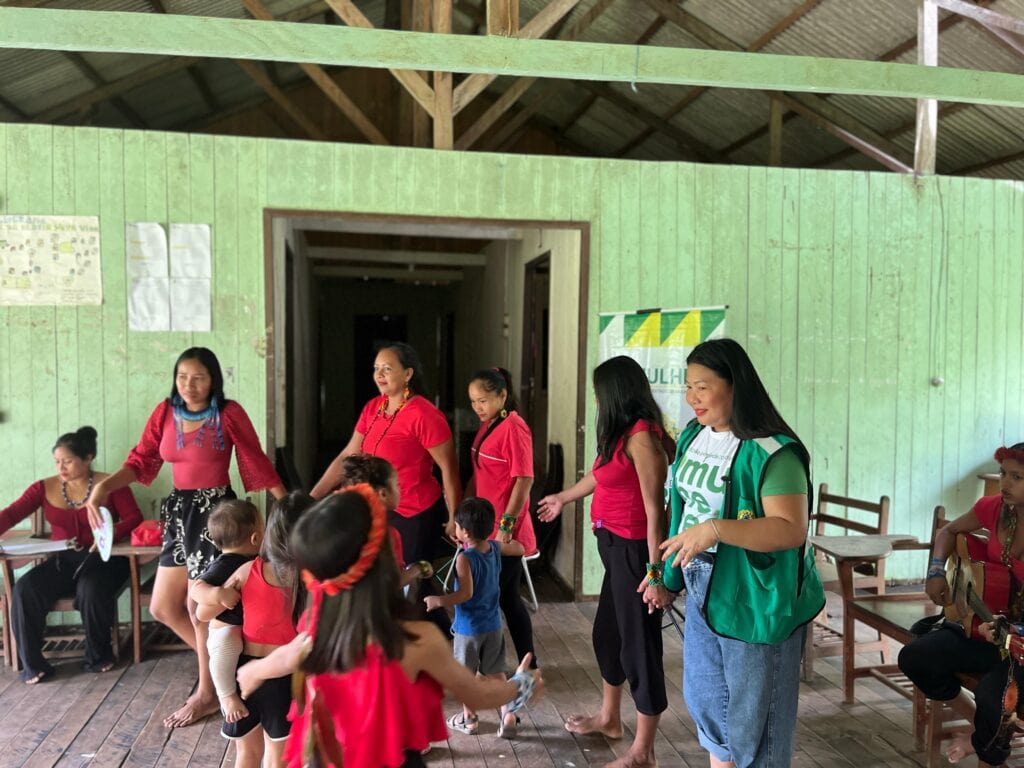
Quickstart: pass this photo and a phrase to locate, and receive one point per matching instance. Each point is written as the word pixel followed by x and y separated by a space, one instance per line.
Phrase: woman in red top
pixel 77 573
pixel 934 660
pixel 628 518
pixel 503 474
pixel 194 430
pixel 404 427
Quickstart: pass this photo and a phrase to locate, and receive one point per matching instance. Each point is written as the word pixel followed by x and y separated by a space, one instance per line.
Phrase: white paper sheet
pixel 145 247
pixel 190 304
pixel 149 304
pixel 190 250
pixel 35 546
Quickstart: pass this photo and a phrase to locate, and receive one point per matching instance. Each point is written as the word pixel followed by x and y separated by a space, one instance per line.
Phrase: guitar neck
pixel 978 606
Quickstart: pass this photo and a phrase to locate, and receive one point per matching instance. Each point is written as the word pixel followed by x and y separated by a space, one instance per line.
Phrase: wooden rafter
pixel 502 17
pixel 925 134
pixel 13 109
pixel 412 81
pixel 513 125
pixel 444 119
pixel 156 71
pixel 777 29
pixel 818 110
pixel 516 91
pixel 309 126
pixel 326 83
pixel 588 101
pixel 199 81
pixel 775 132
pixel 535 28
pixel 983 16
pixel 94 77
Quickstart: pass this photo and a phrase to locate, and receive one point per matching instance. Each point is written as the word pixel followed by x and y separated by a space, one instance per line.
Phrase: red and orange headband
pixel 367 555
pixel 1015 452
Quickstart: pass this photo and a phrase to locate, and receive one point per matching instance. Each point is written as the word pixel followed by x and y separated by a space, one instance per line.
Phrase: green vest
pixel 758 597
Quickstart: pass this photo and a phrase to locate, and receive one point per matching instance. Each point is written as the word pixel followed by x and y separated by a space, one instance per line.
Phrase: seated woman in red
pixel 374 678
pixel 77 573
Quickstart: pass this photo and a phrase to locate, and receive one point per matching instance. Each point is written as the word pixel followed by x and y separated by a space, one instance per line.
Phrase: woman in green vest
pixel 740 504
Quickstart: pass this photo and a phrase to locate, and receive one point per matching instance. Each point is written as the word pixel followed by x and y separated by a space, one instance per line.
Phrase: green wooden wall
pixel 850 290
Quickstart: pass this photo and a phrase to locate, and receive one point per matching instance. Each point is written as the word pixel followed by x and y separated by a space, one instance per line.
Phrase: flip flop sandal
pixel 459 722
pixel 508 730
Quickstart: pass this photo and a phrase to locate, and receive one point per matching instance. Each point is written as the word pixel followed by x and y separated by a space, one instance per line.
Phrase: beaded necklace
pixel 382 411
pixel 67 499
pixel 1016 606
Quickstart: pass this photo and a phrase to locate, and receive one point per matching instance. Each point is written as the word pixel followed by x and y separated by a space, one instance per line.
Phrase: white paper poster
pixel 190 250
pixel 50 260
pixel 149 307
pixel 190 304
pixel 145 245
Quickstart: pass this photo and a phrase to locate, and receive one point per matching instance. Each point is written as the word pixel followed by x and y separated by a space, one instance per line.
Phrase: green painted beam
pixel 145 33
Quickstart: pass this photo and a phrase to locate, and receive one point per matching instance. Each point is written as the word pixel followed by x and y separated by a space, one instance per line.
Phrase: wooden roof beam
pixel 326 84
pixel 926 130
pixel 516 91
pixel 412 81
pixel 502 17
pixel 228 38
pixel 94 77
pixel 444 116
pixel 983 16
pixel 11 107
pixel 309 126
pixel 777 29
pixel 536 27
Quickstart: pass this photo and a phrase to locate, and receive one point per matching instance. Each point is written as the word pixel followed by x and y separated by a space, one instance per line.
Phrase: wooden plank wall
pixel 850 290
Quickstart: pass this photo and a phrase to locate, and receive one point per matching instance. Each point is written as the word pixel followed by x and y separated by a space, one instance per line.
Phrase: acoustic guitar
pixel 979 589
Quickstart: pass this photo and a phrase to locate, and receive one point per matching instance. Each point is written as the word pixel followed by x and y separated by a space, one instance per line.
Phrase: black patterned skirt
pixel 186 539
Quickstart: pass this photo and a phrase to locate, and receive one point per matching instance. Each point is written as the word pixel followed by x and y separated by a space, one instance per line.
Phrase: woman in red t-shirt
pixel 503 474
pixel 404 427
pixel 933 661
pixel 195 430
pixel 78 573
pixel 628 517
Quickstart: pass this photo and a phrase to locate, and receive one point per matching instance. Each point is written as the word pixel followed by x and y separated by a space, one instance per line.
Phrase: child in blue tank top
pixel 479 634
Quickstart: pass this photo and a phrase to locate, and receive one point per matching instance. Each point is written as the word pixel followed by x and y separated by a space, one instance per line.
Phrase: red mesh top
pixel 72 523
pixel 202 466
pixel 266 609
pixel 377 713
pixel 618 503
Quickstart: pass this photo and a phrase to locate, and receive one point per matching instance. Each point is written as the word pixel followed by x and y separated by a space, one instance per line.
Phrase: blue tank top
pixel 480 613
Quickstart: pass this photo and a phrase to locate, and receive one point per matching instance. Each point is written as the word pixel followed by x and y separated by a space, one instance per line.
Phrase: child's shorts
pixel 268 707
pixel 482 653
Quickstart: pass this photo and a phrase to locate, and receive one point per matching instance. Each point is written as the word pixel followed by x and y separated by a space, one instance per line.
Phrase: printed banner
pixel 660 342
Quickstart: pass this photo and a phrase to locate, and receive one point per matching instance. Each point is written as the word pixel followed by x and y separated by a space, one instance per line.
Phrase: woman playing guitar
pixel 933 661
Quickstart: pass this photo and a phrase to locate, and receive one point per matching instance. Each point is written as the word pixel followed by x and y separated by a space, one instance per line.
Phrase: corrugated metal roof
pixel 35 81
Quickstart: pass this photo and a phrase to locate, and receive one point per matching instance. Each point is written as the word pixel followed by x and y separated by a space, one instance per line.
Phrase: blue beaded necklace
pixel 209 416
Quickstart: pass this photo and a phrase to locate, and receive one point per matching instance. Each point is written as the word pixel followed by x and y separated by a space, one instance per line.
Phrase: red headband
pixel 1010 453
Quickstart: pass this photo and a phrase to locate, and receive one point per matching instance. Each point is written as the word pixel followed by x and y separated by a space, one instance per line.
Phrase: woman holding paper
pixel 195 429
pixel 72 572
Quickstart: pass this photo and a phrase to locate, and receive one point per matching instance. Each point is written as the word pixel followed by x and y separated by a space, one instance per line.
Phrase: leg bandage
pixel 225 645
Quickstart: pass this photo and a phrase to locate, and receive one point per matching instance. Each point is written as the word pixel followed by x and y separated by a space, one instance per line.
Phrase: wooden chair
pixel 822 638
pixel 891 615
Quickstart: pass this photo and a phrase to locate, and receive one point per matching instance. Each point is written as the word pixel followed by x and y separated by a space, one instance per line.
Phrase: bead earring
pixel 504 413
pixel 406 394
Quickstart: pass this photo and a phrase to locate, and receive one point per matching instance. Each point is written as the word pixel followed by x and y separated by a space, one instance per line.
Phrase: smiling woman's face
pixel 710 396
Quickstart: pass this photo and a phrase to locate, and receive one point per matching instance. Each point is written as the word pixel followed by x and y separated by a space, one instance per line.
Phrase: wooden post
pixel 927 109
pixel 502 17
pixel 775 111
pixel 444 131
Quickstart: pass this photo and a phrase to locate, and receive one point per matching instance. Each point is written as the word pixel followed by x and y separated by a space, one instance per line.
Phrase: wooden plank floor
pixel 114 719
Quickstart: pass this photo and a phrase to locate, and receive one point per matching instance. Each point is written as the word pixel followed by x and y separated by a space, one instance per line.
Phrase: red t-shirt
pixel 202 466
pixel 987 509
pixel 618 504
pixel 505 455
pixel 404 439
pixel 72 523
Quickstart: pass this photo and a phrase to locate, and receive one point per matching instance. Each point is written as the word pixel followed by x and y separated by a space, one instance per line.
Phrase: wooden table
pixel 137 556
pixel 8 562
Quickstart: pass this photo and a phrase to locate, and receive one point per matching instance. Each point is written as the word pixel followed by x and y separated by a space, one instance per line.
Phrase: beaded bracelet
pixel 655 574
pixel 525 682
pixel 426 569
pixel 935 573
pixel 507 522
pixel 937 561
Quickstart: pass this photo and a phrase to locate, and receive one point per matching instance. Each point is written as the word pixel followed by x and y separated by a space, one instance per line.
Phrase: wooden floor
pixel 114 719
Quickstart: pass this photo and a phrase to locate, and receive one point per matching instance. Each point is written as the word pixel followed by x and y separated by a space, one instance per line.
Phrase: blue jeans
pixel 742 696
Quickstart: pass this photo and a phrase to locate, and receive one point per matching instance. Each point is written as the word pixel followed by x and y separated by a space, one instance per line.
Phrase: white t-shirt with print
pixel 698 476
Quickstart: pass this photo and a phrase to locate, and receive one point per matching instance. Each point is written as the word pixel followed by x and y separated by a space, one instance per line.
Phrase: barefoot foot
pixel 232 708
pixel 582 725
pixel 959 747
pixel 193 710
pixel 634 760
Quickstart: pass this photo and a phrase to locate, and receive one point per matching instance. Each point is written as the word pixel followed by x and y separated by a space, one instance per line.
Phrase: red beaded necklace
pixel 382 411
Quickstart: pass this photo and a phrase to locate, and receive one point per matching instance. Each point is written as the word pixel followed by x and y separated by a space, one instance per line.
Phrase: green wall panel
pixel 850 290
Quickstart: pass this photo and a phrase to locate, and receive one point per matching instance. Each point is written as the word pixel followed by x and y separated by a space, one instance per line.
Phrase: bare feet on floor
pixel 582 725
pixel 232 708
pixel 193 710
pixel 632 760
pixel 959 747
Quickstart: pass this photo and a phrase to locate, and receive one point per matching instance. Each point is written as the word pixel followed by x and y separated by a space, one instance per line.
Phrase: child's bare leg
pixel 225 645
pixel 274 752
pixel 249 749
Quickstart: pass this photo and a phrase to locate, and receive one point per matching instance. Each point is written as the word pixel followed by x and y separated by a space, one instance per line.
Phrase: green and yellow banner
pixel 660 340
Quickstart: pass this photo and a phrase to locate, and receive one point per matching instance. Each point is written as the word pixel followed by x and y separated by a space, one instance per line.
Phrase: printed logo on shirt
pixel 700 477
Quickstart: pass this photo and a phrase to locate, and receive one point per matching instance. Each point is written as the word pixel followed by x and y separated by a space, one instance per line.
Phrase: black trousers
pixel 520 626
pixel 423 539
pixel 932 662
pixel 94 590
pixel 627 638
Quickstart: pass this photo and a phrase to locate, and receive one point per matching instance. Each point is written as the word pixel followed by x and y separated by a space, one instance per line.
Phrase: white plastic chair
pixel 532 602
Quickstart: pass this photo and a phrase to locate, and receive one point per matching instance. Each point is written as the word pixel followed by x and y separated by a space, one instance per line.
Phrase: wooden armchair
pixel 822 638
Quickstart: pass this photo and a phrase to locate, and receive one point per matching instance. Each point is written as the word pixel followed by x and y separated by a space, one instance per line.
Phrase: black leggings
pixel 423 539
pixel 516 615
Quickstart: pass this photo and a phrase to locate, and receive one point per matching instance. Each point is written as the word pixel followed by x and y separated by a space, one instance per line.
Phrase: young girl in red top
pixel 374 676
pixel 271 595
